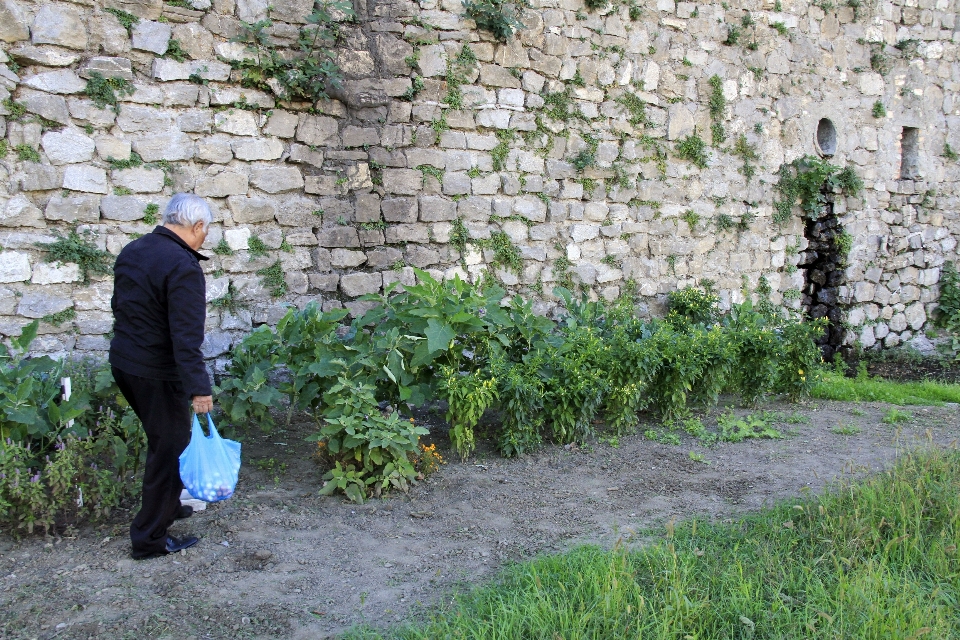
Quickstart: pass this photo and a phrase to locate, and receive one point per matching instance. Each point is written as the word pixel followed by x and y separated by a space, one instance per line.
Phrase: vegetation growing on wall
pixel 802 181
pixel 502 18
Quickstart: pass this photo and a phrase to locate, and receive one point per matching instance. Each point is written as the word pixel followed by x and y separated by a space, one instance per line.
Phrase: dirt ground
pixel 277 560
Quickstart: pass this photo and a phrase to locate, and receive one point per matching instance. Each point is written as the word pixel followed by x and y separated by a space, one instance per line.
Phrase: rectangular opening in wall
pixel 910 153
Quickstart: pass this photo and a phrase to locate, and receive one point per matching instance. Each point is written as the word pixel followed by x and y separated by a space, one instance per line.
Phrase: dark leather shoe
pixel 184 512
pixel 173 545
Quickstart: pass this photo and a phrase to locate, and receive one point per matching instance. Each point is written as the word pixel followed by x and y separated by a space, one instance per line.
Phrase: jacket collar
pixel 163 231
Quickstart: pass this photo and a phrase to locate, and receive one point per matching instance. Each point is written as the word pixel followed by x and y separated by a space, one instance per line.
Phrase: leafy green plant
pixel 878 111
pixel 79 249
pixel 802 182
pixel 104 91
pixel 635 108
pixel 150 213
pixel 733 429
pixel 748 154
pixel 256 247
pixel 502 18
pixel 273 278
pixel 26 153
pixel 127 20
pixel 305 75
pixel 175 51
pixel 499 153
pixel 733 36
pixel 896 416
pixel 693 149
pixel 949 153
pixel 222 248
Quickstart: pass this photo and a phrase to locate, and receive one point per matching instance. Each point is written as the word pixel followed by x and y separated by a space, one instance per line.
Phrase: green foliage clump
pixel 26 153
pixel 499 153
pixel 583 160
pixel 748 154
pixel 693 149
pixel 878 111
pixel 175 51
pixel 256 247
pixel 4 148
pixel 16 110
pixel 103 91
pixel 559 105
pixel 949 153
pixel 457 69
pixel 947 314
pixel 79 249
pixel 780 27
pixel 133 161
pixel 273 278
pixel 222 248
pixel 305 75
pixel 733 36
pixel 502 18
pixel 59 460
pixel 635 108
pixel 58 318
pixel 803 181
pixel 150 213
pixel 127 20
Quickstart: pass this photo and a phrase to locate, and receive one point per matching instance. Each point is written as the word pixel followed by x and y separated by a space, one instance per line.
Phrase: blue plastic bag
pixel 210 465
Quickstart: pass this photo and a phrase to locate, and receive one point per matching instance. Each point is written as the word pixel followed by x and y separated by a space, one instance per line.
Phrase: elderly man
pixel 159 307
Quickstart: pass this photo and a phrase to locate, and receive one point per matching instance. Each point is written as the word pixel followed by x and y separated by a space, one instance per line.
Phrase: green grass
pixel 863 388
pixel 872 560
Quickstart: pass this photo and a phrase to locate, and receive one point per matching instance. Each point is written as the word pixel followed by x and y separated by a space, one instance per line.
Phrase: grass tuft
pixel 863 388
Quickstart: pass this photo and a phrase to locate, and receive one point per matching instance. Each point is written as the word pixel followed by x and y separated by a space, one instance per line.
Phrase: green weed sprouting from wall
pixel 273 279
pixel 635 108
pixel 305 76
pixel 947 314
pixel 802 182
pixel 717 104
pixel 502 18
pixel 80 250
pixel 104 91
pixel 693 149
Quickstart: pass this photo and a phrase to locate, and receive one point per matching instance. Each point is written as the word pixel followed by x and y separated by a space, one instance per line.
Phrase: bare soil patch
pixel 277 560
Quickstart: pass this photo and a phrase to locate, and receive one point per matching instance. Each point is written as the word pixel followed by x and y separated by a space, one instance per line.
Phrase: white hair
pixel 186 210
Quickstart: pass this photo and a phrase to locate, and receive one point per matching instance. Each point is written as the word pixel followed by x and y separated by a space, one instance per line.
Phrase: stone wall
pixel 351 192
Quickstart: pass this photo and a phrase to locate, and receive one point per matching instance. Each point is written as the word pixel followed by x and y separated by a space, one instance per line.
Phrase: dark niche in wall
pixel 826 138
pixel 910 153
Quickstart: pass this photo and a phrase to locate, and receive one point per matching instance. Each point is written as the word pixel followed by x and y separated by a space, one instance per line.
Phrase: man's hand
pixel 202 404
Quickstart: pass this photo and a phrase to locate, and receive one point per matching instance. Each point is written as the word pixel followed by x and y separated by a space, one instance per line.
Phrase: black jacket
pixel 159 309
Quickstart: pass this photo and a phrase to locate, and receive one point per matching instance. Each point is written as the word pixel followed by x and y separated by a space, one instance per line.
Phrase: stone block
pixel 236 122
pixel 282 124
pixel 134 119
pixel 871 84
pixel 237 239
pixel 85 178
pixel 360 136
pixel 112 147
pixel 61 25
pixel 151 36
pixel 168 70
pixel 19 211
pixel 383 257
pixel 492 75
pixel 346 258
pixel 62 81
pixel 392 51
pixel 39 177
pixel 915 316
pixel 403 210
pixel 195 40
pixel 302 154
pixel 123 208
pixel 317 131
pixel 276 179
pixel 215 150
pixel 321 185
pixel 402 181
pixel 139 179
pixel 144 9
pixel 357 284
pixel 45 57
pixel 44 273
pixel 14 267
pixel 67 146
pixel 234 51
pixel 437 209
pixel 195 121
pixel 258 149
pixel 165 146
pixel 224 95
pixel 45 105
pixel 84 209
pixel 13 22
pixel 251 210
pixel 400 233
pixel 108 67
pixel 180 94
pixel 680 122
pixel 340 236
pixel 367 207
pixel 222 185
pixel 35 304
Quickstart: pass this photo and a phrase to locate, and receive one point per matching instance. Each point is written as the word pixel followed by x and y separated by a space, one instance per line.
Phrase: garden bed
pixel 307 566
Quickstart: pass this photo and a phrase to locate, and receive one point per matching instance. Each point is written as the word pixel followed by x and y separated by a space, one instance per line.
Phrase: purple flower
pixel 35 478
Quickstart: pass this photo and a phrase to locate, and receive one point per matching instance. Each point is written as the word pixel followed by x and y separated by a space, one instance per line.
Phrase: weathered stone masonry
pixel 352 192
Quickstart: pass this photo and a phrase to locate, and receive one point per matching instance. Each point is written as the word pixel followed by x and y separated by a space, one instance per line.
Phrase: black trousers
pixel 164 409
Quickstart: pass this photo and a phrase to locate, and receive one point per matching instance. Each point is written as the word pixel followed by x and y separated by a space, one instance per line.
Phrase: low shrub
pixel 464 344
pixel 61 460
